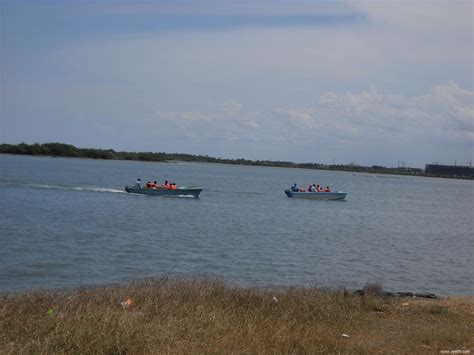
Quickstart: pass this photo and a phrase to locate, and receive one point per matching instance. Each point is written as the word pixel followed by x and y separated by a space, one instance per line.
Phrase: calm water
pixel 67 222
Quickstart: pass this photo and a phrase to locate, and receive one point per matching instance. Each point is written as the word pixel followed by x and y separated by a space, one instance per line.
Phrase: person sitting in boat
pixel 313 188
pixel 138 183
pixel 294 188
pixel 318 189
pixel 327 189
pixel 149 185
pixel 154 185
pixel 166 185
pixel 173 186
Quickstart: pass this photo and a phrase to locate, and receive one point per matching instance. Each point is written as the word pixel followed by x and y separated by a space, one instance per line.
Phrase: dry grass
pixel 209 316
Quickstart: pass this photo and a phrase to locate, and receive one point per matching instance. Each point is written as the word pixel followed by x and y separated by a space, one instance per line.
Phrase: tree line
pixel 69 150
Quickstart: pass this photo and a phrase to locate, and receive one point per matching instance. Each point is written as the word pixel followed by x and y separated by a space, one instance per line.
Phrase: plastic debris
pixel 405 304
pixel 345 335
pixel 126 303
pixel 275 299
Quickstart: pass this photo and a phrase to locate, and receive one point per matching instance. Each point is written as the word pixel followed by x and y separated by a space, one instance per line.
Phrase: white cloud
pixel 366 119
pixel 446 111
pixel 232 107
pixel 192 116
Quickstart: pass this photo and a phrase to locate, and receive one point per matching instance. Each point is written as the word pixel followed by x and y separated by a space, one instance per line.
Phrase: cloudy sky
pixel 369 82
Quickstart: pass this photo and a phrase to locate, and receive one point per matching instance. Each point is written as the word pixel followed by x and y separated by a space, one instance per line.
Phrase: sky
pixel 362 82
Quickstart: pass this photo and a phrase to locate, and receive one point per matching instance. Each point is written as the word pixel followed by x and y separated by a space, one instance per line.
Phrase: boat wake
pixel 99 189
pixel 72 188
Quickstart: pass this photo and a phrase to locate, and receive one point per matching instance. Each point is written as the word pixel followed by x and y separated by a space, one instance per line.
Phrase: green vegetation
pixel 206 316
pixel 68 150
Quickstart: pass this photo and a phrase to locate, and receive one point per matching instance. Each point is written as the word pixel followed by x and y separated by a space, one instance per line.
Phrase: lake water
pixel 68 222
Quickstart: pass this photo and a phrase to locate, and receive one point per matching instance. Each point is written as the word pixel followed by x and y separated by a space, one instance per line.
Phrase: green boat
pixel 335 195
pixel 159 191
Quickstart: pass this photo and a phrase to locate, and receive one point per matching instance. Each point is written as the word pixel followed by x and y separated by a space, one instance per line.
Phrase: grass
pixel 209 316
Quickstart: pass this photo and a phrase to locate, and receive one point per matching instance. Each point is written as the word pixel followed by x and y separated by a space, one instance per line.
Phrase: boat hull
pixel 336 195
pixel 181 192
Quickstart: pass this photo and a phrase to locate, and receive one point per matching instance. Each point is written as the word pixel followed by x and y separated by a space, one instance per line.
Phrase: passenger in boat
pixel 327 189
pixel 294 188
pixel 318 189
pixel 138 183
pixel 173 186
pixel 309 188
pixel 166 185
pixel 148 185
pixel 313 188
pixel 154 185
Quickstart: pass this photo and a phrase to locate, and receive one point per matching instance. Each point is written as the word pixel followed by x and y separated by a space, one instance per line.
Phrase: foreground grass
pixel 211 317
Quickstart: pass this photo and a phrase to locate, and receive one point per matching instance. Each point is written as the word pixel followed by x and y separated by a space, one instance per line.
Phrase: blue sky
pixel 355 81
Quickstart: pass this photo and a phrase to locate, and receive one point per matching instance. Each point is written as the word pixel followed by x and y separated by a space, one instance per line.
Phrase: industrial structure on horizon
pixel 449 170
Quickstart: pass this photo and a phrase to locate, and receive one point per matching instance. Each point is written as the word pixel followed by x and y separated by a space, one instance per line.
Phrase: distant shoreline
pixel 70 151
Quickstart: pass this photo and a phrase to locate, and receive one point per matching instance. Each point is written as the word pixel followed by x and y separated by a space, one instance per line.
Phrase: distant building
pixel 449 170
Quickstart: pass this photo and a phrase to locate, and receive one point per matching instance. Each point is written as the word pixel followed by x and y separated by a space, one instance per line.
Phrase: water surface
pixel 68 222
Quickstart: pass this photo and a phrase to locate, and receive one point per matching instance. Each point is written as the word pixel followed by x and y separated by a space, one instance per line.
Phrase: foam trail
pixel 73 188
pixel 99 189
